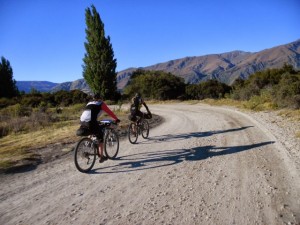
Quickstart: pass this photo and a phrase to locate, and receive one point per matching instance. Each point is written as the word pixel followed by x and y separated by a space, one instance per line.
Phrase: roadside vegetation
pixel 269 89
pixel 39 128
pixel 264 90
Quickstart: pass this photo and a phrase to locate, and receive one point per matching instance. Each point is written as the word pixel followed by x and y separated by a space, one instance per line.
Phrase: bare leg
pixel 135 128
pixel 100 148
pixel 102 157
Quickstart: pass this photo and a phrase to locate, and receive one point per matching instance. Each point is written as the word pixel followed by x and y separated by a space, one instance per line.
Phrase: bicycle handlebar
pixel 108 122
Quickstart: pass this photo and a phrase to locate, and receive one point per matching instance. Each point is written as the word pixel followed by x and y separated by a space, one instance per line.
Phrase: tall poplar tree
pixel 99 69
pixel 8 87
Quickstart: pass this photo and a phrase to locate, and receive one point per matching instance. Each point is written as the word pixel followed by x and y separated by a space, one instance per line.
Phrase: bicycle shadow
pixel 175 137
pixel 152 160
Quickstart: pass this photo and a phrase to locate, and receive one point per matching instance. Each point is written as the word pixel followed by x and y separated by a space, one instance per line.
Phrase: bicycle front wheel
pixel 85 155
pixel 145 129
pixel 111 144
pixel 132 133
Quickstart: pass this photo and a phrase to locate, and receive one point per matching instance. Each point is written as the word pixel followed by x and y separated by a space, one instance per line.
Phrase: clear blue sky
pixel 44 39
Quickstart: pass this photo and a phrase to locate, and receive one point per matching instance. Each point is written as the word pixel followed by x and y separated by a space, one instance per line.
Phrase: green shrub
pixel 282 84
pixel 261 102
pixel 288 91
pixel 4 102
pixel 209 89
pixel 16 110
pixel 155 85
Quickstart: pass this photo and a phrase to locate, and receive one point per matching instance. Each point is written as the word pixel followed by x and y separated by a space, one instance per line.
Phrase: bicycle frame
pixel 137 128
pixel 87 149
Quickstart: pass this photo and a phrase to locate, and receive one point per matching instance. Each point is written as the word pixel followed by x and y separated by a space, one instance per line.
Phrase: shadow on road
pixel 151 160
pixel 175 137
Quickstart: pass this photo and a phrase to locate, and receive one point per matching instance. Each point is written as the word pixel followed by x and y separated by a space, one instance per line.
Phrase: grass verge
pixel 17 147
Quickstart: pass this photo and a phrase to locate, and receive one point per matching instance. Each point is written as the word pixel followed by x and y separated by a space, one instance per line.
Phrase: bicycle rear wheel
pixel 111 144
pixel 85 155
pixel 145 129
pixel 132 133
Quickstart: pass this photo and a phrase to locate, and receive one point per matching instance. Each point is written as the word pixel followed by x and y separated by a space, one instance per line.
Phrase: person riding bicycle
pixel 135 112
pixel 89 119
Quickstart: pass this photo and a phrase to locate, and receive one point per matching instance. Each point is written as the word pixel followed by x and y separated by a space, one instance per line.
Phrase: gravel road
pixel 203 165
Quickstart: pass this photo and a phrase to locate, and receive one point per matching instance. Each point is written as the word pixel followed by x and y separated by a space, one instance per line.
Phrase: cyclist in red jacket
pixel 89 119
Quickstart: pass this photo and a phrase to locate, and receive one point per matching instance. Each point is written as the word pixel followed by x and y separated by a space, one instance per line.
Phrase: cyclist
pixel 135 112
pixel 89 119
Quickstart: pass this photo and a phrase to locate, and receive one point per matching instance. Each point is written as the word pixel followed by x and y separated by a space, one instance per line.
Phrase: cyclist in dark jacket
pixel 135 113
pixel 89 119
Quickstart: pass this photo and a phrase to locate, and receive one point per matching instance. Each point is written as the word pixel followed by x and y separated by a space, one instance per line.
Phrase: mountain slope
pixel 69 86
pixel 225 67
pixel 42 86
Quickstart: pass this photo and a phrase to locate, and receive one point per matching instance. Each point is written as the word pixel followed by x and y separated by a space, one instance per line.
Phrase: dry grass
pixel 290 114
pixel 162 102
pixel 18 146
pixel 223 102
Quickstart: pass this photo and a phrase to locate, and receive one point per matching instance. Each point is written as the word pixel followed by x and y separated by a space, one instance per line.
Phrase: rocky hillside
pixel 225 67
pixel 69 86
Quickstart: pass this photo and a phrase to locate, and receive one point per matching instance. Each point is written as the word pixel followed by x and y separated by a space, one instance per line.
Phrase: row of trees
pixel 155 85
pixel 280 86
pixel 37 99
pixel 165 86
pixel 209 89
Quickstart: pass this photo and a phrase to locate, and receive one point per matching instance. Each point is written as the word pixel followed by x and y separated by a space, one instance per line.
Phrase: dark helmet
pixel 138 95
pixel 96 96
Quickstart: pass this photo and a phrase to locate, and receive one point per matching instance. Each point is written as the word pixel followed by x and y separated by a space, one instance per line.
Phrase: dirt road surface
pixel 203 165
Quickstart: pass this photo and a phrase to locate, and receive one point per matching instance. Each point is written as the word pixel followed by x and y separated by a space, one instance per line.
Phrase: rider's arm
pixel 105 108
pixel 148 111
pixel 144 104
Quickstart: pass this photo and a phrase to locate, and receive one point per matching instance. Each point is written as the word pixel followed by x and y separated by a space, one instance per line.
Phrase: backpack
pixel 135 105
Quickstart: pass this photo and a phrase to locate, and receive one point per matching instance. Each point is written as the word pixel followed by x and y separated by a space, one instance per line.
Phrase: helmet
pixel 96 96
pixel 138 95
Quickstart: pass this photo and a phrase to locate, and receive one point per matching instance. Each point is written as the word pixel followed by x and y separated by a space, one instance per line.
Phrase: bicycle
pixel 138 128
pixel 86 149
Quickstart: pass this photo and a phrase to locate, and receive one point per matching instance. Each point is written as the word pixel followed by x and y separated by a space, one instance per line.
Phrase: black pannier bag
pixel 148 116
pixel 83 131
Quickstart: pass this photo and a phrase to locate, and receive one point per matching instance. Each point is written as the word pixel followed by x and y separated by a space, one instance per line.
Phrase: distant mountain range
pixel 224 67
pixel 42 86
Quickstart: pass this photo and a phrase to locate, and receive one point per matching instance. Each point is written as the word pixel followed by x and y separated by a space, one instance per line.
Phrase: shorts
pixel 137 115
pixel 95 129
